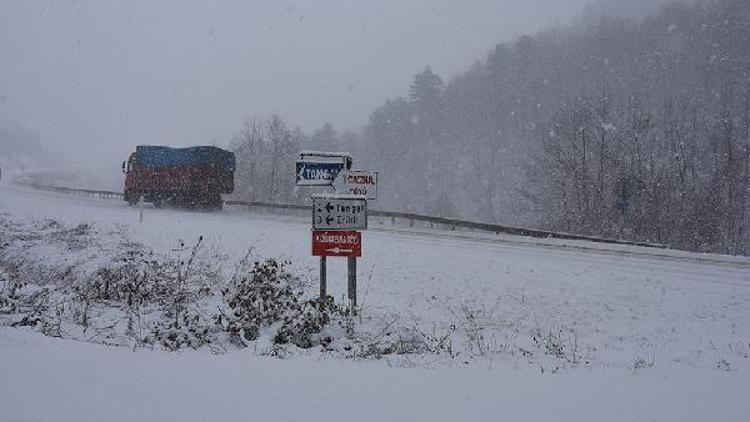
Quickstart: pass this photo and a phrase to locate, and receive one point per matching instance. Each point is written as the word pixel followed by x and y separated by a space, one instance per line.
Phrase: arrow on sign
pixel 302 172
pixel 339 213
pixel 338 250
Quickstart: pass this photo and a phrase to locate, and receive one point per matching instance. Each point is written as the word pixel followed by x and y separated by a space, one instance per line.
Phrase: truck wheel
pixel 158 201
pixel 131 198
pixel 215 203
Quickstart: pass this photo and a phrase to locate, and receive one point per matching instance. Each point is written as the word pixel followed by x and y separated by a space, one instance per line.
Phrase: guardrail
pixel 103 194
pixel 454 224
pixel 410 218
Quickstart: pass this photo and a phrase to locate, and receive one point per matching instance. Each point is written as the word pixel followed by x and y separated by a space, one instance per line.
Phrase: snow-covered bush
pixel 104 287
pixel 305 327
pixel 138 276
pixel 550 342
pixel 166 288
pixel 266 300
pixel 8 294
pixel 190 329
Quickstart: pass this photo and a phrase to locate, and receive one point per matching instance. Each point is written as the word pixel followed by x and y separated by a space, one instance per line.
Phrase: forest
pixel 632 127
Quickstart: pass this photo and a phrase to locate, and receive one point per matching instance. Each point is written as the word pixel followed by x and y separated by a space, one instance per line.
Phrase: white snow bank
pixel 46 379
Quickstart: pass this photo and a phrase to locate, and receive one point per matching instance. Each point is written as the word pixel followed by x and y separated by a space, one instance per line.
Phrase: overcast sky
pixel 113 74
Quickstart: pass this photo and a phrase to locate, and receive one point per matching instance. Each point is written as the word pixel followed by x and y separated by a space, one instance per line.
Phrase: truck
pixel 193 177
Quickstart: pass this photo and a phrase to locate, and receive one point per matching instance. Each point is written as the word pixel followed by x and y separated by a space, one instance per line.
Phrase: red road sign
pixel 337 243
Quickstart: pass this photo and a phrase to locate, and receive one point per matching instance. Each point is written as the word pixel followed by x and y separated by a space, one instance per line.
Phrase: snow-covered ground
pixel 647 334
pixel 47 379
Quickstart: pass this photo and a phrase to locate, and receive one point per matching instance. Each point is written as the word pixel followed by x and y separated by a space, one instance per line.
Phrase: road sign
pixel 364 183
pixel 339 212
pixel 327 156
pixel 316 173
pixel 337 243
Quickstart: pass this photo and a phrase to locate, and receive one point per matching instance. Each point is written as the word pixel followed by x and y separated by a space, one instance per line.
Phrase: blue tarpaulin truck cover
pixel 159 157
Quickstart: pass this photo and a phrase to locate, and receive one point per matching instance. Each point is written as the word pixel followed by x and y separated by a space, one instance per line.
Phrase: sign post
pixel 341 244
pixel 351 276
pixel 323 293
pixel 336 218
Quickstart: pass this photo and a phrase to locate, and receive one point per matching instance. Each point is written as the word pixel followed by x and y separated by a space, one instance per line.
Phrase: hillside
pixel 624 128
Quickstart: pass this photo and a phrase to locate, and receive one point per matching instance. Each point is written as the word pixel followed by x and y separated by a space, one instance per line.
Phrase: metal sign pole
pixel 352 281
pixel 140 208
pixel 322 277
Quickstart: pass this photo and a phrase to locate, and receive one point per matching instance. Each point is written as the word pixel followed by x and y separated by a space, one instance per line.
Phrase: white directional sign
pixel 339 212
pixel 364 183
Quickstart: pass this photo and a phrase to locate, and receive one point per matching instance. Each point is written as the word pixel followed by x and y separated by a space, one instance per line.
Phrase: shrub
pixel 188 330
pixel 266 299
pixel 304 327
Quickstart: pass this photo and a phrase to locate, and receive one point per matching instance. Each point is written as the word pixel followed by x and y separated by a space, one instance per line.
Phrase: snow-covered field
pixel 538 329
pixel 47 379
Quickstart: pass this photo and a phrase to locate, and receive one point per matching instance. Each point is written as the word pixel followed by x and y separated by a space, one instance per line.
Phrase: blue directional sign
pixel 312 173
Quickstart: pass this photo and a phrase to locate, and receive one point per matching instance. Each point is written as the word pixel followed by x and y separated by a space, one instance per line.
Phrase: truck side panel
pixel 176 179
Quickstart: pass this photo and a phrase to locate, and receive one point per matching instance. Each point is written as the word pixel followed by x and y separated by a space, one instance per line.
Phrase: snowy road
pixel 683 317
